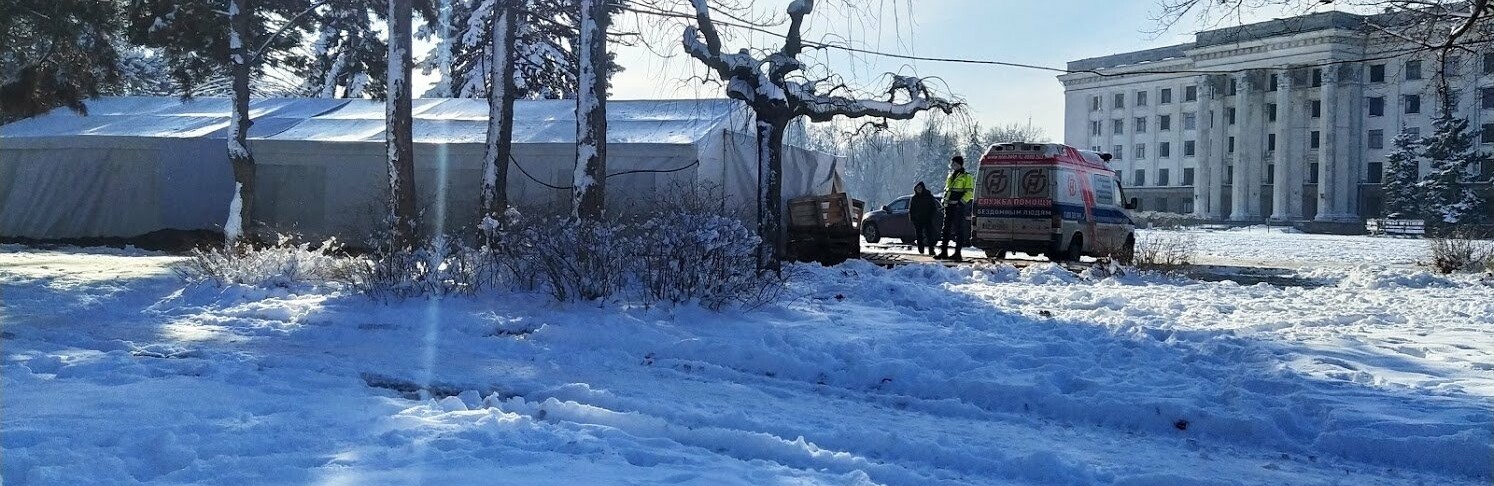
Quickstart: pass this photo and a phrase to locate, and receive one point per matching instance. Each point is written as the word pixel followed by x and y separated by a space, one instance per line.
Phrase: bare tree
pixel 590 182
pixel 774 87
pixel 399 136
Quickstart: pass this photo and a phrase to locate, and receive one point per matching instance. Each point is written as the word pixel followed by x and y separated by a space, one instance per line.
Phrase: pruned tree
pixel 1402 175
pixel 774 87
pixel 399 137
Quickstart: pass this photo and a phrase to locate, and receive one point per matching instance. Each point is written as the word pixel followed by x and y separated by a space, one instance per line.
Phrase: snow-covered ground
pixel 114 373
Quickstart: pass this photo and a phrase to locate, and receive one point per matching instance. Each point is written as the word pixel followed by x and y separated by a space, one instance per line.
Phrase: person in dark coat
pixel 923 210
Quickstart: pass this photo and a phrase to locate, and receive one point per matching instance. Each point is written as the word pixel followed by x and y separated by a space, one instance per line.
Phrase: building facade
pixel 1287 120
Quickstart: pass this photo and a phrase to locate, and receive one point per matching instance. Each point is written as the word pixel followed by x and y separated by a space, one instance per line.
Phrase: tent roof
pixel 436 120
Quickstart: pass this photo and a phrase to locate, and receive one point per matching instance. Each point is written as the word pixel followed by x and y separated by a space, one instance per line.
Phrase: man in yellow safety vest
pixel 959 193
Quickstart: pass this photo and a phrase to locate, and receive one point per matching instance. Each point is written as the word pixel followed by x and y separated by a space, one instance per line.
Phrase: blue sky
pixel 1047 33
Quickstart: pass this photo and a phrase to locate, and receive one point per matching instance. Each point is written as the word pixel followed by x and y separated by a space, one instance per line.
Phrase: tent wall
pixel 112 186
pixel 320 189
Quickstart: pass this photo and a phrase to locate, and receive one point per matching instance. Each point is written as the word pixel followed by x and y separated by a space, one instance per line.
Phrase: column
pixel 1202 176
pixel 1328 159
pixel 1286 193
pixel 1248 147
pixel 1219 132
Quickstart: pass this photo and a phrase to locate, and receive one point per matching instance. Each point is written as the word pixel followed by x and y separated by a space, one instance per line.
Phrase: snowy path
pixel 919 375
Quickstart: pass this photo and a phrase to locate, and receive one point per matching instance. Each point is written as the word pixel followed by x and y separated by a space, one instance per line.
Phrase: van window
pixel 1034 182
pixel 1104 188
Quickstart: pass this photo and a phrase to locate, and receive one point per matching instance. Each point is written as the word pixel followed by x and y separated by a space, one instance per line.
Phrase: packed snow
pixel 116 372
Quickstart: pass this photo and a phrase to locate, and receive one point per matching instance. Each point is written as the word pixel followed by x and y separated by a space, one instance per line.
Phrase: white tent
pixel 132 166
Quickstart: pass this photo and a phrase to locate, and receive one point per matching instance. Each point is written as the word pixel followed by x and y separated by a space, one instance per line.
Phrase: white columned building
pixel 1283 120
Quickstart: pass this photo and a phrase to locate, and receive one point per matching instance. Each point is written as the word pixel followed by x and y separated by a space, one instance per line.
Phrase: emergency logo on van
pixel 997 183
pixel 1034 181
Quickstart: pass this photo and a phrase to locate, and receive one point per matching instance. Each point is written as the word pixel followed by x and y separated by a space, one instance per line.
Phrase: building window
pixel 1234 86
pixel 1188 148
pixel 1413 132
pixel 1413 70
pixel 1377 106
pixel 1317 77
pixel 1162 203
pixel 1188 176
pixel 1117 151
pixel 1161 177
pixel 1140 178
pixel 1452 66
pixel 1164 150
pixel 1315 108
pixel 1164 96
pixel 1140 151
pixel 1140 124
pixel 1270 112
pixel 1231 144
pixel 1412 103
pixel 1095 149
pixel 1275 83
pixel 1314 139
pixel 1187 206
pixel 1229 174
pixel 1094 103
pixel 1270 142
pixel 1377 73
pixel 1190 93
pixel 1487 134
pixel 1376 138
pixel 1312 173
pixel 1140 98
pixel 1229 116
pixel 1117 126
pixel 1270 173
pixel 1164 122
pixel 1120 101
pixel 1190 121
pixel 1095 127
pixel 1486 97
pixel 1376 172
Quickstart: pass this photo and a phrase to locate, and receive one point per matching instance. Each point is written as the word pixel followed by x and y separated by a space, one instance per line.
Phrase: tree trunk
pixel 770 194
pixel 501 92
pixel 399 139
pixel 240 211
pixel 590 181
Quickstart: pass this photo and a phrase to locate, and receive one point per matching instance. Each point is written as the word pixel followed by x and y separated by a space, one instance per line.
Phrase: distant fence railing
pixel 1396 227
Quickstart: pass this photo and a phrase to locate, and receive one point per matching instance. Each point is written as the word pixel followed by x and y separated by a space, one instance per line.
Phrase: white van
pixel 1051 199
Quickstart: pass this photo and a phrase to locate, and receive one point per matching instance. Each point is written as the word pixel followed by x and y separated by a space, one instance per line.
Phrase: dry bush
pixel 283 263
pixel 1165 250
pixel 1461 251
pixel 439 267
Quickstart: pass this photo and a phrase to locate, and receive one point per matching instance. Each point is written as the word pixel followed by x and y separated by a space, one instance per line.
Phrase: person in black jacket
pixel 923 210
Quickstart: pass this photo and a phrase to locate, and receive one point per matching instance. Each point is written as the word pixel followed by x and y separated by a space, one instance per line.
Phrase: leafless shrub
pixel 283 263
pixel 439 267
pixel 1461 251
pixel 1165 250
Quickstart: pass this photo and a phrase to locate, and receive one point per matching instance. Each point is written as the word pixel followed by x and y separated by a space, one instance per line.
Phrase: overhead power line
pixel 1098 72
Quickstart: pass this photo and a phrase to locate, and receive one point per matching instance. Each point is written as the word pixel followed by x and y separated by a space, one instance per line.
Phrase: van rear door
pixel 995 187
pixel 1032 204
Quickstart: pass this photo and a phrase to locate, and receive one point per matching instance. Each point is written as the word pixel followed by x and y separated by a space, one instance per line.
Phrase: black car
pixel 892 221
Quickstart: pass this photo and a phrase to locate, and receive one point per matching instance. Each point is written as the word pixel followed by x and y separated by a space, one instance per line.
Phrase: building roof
pixel 1228 35
pixel 436 120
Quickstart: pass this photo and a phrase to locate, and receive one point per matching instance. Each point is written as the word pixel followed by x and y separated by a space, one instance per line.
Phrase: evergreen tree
pixel 1453 152
pixel 1403 198
pixel 348 57
pixel 544 54
pixel 56 53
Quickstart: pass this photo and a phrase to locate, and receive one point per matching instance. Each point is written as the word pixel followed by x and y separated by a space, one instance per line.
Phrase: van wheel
pixel 1127 254
pixel 1076 248
pixel 870 233
pixel 996 253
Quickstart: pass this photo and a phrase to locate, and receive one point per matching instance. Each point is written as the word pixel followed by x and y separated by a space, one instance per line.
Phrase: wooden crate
pixel 825 211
